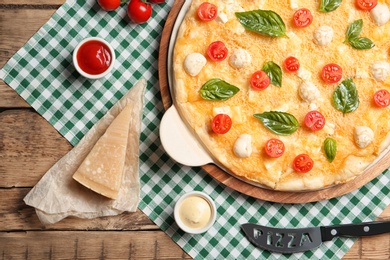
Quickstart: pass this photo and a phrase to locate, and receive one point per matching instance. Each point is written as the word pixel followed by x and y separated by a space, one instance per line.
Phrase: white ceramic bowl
pixel 93 76
pixel 179 220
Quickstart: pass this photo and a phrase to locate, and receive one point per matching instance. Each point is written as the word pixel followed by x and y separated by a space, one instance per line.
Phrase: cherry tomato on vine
pixel 260 80
pixel 314 120
pixel 109 5
pixel 221 124
pixel 207 11
pixel 157 1
pixel 217 51
pixel 331 73
pixel 366 4
pixel 302 17
pixel 382 98
pixel 274 148
pixel 291 64
pixel 139 11
pixel 303 163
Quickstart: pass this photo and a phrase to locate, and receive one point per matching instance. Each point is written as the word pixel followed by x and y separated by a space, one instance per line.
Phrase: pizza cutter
pixel 293 240
pixel 179 142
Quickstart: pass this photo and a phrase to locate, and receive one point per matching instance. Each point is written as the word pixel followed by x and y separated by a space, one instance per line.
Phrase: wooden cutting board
pixel 241 186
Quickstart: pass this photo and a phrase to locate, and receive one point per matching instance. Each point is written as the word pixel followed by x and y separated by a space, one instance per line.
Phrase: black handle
pixel 355 230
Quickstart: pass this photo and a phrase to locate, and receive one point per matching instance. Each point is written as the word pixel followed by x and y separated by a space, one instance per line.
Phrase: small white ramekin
pixel 93 76
pixel 179 221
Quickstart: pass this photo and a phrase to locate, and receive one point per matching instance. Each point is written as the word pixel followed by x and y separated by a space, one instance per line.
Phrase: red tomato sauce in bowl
pixel 93 58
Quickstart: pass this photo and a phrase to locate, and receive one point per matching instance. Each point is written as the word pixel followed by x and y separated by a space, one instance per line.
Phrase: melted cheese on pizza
pixel 321 43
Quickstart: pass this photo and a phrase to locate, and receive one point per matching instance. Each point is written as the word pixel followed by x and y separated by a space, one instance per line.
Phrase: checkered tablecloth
pixel 42 73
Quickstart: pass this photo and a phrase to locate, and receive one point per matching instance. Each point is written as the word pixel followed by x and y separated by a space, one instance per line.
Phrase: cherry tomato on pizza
pixel 109 5
pixel 217 51
pixel 382 98
pixel 221 124
pixel 331 73
pixel 139 11
pixel 274 147
pixel 314 120
pixel 303 163
pixel 302 17
pixel 366 4
pixel 291 64
pixel 207 11
pixel 260 80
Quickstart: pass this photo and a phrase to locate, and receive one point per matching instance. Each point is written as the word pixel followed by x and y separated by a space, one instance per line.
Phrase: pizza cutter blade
pixel 179 142
pixel 293 240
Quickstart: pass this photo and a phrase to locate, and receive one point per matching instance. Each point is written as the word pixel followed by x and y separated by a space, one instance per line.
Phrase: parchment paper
pixel 57 195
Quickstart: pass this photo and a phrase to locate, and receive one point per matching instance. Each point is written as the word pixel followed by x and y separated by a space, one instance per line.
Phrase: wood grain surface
pixel 29 146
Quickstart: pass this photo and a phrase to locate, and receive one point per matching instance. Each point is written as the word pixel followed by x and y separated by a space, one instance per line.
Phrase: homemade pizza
pixel 289 95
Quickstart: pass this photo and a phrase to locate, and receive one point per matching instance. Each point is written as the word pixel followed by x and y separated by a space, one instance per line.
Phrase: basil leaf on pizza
pixel 361 43
pixel 274 72
pixel 346 97
pixel 330 148
pixel 217 90
pixel 281 123
pixel 352 37
pixel 354 30
pixel 265 22
pixel 329 5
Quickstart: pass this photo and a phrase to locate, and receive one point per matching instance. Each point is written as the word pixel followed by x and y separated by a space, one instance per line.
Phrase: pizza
pixel 288 95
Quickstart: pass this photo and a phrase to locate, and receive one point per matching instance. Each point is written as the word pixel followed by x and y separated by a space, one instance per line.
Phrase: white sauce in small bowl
pixel 195 212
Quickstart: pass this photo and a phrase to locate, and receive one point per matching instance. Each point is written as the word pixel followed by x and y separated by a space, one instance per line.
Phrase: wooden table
pixel 29 146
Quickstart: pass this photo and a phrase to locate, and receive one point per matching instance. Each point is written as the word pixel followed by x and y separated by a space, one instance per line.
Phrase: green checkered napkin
pixel 43 74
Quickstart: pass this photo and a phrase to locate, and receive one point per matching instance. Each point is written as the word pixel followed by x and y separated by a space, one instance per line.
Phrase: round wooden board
pixel 244 187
